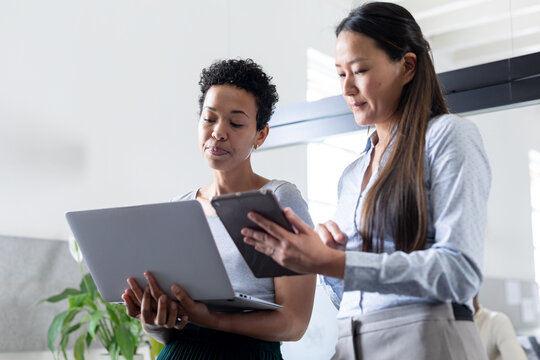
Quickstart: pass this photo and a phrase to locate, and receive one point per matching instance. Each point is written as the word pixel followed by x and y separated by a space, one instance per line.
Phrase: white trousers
pixel 411 332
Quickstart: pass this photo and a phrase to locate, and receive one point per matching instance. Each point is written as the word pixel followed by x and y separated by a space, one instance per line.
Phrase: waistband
pixel 401 315
pixel 192 332
pixel 462 312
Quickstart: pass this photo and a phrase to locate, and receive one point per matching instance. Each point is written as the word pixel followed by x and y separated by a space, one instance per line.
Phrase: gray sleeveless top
pixel 241 277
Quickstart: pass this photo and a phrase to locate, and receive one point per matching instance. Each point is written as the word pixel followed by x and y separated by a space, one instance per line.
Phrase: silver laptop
pixel 172 240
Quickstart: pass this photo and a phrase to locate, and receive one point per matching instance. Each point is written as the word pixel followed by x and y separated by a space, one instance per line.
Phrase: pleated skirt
pixel 196 343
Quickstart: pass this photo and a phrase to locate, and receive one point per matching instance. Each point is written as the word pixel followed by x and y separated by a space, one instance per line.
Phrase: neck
pixel 235 180
pixel 384 134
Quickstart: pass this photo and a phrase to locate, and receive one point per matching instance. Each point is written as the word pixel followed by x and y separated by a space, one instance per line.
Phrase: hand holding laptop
pixel 154 307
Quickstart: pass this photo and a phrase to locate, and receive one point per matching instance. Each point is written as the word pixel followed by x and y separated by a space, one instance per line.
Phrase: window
pixel 534 168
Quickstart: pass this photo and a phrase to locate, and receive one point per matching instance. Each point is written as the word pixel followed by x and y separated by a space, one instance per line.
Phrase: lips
pixel 357 105
pixel 216 150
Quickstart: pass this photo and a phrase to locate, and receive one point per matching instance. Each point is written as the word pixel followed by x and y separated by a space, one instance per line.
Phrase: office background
pixel 98 107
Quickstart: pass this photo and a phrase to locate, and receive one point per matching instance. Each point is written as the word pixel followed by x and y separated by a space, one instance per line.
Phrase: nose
pixel 218 131
pixel 348 87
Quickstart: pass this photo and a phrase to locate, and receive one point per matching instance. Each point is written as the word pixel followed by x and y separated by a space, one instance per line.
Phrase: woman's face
pixel 228 127
pixel 370 82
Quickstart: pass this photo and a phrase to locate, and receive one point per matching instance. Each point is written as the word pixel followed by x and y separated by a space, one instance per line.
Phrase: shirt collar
pixel 372 139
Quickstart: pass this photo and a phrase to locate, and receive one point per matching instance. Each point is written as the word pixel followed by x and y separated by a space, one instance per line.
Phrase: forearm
pixel 273 325
pixel 294 293
pixel 333 264
pixel 440 274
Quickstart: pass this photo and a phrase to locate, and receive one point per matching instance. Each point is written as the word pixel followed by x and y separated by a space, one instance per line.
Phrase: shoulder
pixel 500 319
pixel 450 136
pixel 191 195
pixel 495 319
pixel 289 195
pixel 448 127
pixel 282 188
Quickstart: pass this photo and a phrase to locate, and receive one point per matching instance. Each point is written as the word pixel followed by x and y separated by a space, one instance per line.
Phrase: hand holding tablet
pixel 232 210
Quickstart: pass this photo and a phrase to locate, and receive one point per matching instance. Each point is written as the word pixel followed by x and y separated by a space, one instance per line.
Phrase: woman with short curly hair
pixel 246 75
pixel 236 102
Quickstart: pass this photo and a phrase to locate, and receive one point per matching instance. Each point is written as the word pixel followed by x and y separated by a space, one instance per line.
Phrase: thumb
pixel 295 221
pixel 185 300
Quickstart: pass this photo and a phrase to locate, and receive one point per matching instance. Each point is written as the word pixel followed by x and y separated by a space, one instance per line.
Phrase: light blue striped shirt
pixel 457 178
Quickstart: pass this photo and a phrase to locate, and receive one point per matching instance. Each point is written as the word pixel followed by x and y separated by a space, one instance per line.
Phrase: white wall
pixel 508 136
pixel 98 105
pixel 98 99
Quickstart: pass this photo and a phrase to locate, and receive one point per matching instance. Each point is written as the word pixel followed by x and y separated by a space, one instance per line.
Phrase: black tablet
pixel 232 210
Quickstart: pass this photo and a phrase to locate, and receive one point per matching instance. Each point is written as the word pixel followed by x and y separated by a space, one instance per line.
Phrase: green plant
pixel 98 319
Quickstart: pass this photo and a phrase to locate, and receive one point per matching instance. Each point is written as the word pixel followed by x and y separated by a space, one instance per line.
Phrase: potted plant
pixel 117 332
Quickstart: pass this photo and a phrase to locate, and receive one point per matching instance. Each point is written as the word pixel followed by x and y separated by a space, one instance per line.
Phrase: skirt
pixel 411 332
pixel 196 343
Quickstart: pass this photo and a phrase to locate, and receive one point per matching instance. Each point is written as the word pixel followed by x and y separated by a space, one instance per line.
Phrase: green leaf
pixel 78 301
pixel 111 310
pixel 108 323
pixel 54 329
pixel 63 295
pixel 88 286
pixel 88 339
pixel 135 328
pixel 73 328
pixel 63 345
pixel 125 342
pixel 94 320
pixel 69 318
pixel 78 349
pixel 114 351
pixel 64 331
pixel 155 348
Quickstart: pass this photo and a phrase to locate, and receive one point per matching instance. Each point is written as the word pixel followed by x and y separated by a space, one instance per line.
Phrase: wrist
pixel 160 333
pixel 152 330
pixel 334 264
pixel 217 321
pixel 150 327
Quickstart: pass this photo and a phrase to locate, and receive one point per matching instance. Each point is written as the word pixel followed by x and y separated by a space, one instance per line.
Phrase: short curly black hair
pixel 244 74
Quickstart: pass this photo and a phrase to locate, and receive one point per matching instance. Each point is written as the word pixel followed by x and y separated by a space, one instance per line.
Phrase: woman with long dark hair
pixel 403 257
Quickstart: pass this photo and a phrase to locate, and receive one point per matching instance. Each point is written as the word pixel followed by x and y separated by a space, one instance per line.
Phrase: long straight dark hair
pixel 398 196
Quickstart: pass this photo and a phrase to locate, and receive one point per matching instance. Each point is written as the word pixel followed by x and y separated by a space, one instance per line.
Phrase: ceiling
pixel 469 32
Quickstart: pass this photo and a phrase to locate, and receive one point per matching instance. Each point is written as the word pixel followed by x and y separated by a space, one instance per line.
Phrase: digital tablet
pixel 232 210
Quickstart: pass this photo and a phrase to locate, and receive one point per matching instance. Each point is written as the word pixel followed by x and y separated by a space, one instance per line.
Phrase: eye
pixel 235 125
pixel 206 120
pixel 360 71
pixel 341 75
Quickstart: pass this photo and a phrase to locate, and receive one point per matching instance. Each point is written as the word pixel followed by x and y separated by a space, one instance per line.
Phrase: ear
pixel 409 67
pixel 261 136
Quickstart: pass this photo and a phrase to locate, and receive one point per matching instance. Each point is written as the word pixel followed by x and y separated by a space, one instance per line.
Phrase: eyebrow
pixel 358 59
pixel 232 111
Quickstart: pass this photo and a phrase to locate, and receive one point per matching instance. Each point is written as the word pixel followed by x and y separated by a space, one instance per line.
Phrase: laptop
pixel 172 240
